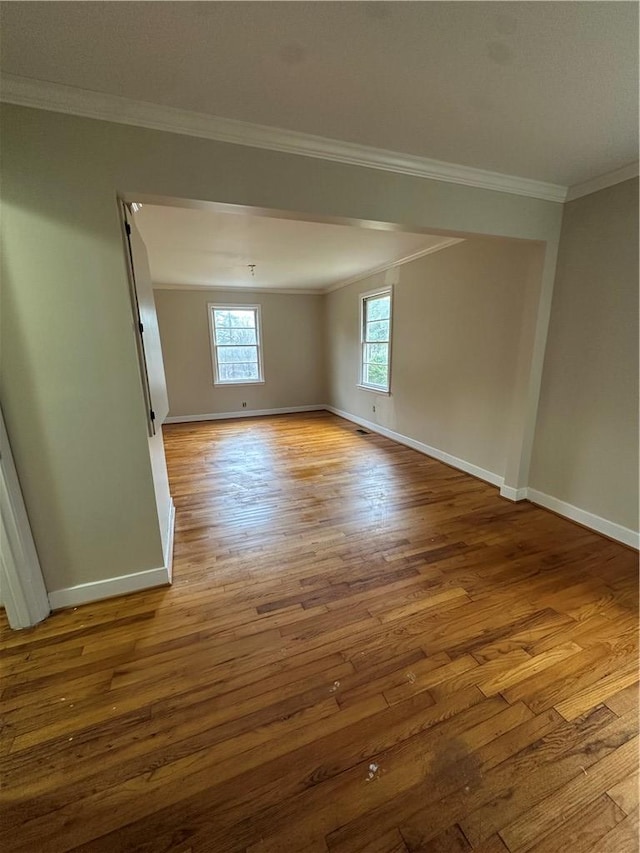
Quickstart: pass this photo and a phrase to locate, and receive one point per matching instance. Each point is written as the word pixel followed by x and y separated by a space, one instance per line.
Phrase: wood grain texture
pixel 363 650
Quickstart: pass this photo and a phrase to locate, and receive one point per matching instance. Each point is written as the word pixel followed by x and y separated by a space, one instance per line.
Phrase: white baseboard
pixel 574 513
pixel 85 593
pixel 245 413
pixel 513 494
pixel 588 519
pixel 440 455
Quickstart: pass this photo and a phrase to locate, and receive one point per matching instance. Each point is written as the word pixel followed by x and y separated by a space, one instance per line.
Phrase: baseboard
pixel 245 413
pixel 513 494
pixel 85 593
pixel 440 455
pixel 574 513
pixel 588 519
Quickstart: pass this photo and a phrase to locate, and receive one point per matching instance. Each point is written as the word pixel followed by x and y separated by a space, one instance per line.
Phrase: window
pixel 376 340
pixel 235 344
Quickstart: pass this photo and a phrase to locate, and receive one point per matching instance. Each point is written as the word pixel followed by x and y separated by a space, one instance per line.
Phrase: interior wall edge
pixel 168 551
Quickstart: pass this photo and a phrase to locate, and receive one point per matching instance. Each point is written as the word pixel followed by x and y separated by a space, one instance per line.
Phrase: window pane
pixel 235 336
pixel 378 330
pixel 378 308
pixel 376 353
pixel 237 354
pixel 221 318
pixel 376 374
pixel 235 317
pixel 238 372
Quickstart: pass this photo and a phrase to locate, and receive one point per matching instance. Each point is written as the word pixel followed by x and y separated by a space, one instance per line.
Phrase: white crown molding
pixel 450 241
pixel 243 288
pixel 603 181
pixel 27 92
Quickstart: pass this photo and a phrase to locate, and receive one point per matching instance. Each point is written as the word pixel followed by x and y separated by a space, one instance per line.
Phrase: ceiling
pixel 203 248
pixel 542 90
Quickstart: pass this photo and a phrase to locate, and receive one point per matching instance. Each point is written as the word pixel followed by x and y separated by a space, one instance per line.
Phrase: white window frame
pixel 380 291
pixel 213 306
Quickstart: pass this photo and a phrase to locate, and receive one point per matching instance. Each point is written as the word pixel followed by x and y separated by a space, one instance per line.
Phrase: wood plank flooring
pixel 363 650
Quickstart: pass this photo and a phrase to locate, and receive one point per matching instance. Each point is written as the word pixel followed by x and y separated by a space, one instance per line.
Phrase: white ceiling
pixel 542 90
pixel 202 248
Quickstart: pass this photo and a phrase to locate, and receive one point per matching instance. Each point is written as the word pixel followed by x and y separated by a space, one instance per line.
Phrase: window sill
pixel 374 390
pixel 236 384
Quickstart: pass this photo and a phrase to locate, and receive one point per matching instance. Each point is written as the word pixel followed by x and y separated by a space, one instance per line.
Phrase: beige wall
pixel 292 348
pixel 457 316
pixel 69 384
pixel 586 444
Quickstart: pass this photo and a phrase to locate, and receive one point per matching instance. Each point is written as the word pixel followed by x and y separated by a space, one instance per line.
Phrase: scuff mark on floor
pixel 373 772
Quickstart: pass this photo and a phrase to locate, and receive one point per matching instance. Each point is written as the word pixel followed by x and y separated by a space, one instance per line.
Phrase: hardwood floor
pixel 363 650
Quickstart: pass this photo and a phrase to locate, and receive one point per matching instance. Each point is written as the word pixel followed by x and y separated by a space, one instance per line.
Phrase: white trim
pixel 440 455
pixel 85 593
pixel 364 297
pixel 609 179
pixel 24 594
pixel 588 519
pixel 574 513
pixel 42 95
pixel 232 288
pixel 373 390
pixel 449 241
pixel 257 311
pixel 168 553
pixel 512 494
pixel 245 413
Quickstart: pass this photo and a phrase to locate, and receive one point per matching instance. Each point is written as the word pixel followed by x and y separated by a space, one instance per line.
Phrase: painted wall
pixel 70 384
pixel 292 348
pixel 586 443
pixel 70 387
pixel 457 318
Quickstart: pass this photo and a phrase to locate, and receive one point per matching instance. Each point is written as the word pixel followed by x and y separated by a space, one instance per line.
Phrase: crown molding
pixel 39 94
pixel 287 291
pixel 450 241
pixel 609 179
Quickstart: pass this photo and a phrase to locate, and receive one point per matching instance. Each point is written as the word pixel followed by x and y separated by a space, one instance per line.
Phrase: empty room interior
pixel 319 427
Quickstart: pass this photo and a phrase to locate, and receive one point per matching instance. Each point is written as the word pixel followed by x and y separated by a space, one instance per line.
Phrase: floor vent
pixel 362 432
